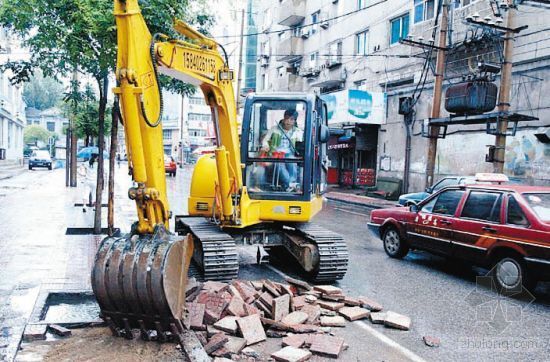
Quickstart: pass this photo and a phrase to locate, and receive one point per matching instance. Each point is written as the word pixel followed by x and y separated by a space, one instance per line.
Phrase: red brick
pixel 227 324
pixel 272 288
pixel 291 354
pixel 336 321
pixel 330 305
pixel 258 285
pixel 248 293
pixel 214 286
pixel 195 315
pixel 252 329
pixel 304 328
pixel 250 309
pixel 397 320
pixel 274 324
pixel 298 302
pixel 263 308
pixel 354 302
pixel 295 318
pixel 431 341
pixel 298 283
pixel 295 340
pixel 313 312
pixel 327 345
pixel 59 330
pixel 280 307
pixel 215 305
pixel 35 332
pixel 273 333
pixel 235 345
pixel 333 297
pixel 266 299
pixel 327 289
pixel 354 313
pixel 216 342
pixel 236 307
pixel 370 304
pixel 202 337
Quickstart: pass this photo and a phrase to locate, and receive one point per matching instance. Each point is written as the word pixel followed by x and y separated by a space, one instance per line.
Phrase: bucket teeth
pixel 141 284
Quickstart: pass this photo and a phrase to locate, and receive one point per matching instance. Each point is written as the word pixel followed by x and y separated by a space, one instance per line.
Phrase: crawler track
pixel 215 251
pixel 333 252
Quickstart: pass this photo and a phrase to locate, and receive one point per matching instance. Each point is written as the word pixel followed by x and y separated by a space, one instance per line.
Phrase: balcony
pixel 291 12
pixel 290 49
pixel 331 78
pixel 309 71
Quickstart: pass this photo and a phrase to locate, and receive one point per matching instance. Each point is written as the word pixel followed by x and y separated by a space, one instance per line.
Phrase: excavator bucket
pixel 139 283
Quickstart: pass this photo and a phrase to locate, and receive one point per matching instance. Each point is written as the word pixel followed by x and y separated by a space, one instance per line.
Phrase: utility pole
pixel 240 62
pixel 181 133
pixel 73 138
pixel 436 104
pixel 112 155
pixel 504 92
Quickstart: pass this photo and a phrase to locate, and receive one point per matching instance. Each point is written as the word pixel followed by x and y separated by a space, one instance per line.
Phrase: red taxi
pixel 170 166
pixel 502 227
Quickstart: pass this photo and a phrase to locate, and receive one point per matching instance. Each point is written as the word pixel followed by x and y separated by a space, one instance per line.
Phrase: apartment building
pixel 351 53
pixel 12 112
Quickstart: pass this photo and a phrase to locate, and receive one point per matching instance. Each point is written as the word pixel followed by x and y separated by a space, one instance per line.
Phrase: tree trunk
pixel 112 155
pixel 103 87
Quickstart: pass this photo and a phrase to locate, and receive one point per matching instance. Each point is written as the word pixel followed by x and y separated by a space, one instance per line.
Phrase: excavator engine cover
pixel 139 282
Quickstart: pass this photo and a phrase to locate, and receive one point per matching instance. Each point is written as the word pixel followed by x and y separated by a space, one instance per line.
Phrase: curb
pixel 357 203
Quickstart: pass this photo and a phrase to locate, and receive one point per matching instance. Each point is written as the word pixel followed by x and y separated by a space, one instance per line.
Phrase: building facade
pixel 332 47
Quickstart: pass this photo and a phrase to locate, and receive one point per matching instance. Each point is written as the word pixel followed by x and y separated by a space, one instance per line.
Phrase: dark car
pixel 416 197
pixel 502 227
pixel 40 158
pixel 170 166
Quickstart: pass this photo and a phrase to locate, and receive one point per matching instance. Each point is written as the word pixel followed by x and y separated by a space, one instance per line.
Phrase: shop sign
pixel 356 106
pixel 339 146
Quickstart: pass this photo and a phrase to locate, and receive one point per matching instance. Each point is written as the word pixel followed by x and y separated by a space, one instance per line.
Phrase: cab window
pixel 483 206
pixel 444 204
pixel 444 183
pixel 515 215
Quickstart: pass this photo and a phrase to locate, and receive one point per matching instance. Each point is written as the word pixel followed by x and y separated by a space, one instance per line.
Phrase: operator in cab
pixel 280 142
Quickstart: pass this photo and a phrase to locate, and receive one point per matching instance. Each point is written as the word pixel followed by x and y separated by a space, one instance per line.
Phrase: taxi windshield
pixel 540 203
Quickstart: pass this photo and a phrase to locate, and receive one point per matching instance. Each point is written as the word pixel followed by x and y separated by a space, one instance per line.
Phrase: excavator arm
pixel 196 60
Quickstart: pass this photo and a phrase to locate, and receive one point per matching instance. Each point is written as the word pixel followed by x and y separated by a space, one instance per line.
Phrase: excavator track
pixel 333 252
pixel 215 251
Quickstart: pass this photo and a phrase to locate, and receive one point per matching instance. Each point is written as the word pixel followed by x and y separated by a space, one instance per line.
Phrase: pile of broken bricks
pixel 229 317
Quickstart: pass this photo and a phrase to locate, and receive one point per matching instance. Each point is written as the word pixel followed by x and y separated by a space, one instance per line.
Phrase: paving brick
pixel 295 318
pixel 272 288
pixel 287 289
pixel 353 302
pixel 258 285
pixel 280 307
pixel 250 309
pixel 327 289
pixel 330 305
pixel 336 321
pixel 327 312
pixel 215 305
pixel 59 330
pixel 236 307
pixel 396 320
pixel 267 311
pixel 273 333
pixel 248 293
pixel 214 286
pixel 311 299
pixel 202 337
pixel 296 340
pixel 211 331
pixel 304 328
pixel 227 324
pixel 217 341
pixel 291 354
pixel 333 297
pixel 298 283
pixel 327 345
pixel 313 312
pixel 274 324
pixel 34 332
pixel 195 315
pixel 370 304
pixel 377 317
pixel 431 341
pixel 235 345
pixel 354 313
pixel 266 299
pixel 252 329
pixel 298 302
pixel 233 291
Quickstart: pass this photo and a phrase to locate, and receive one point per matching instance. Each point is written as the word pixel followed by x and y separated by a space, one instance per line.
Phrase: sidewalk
pixel 350 196
pixel 9 171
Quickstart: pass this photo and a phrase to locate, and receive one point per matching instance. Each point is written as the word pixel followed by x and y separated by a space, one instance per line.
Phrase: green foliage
pixel 42 93
pixel 34 133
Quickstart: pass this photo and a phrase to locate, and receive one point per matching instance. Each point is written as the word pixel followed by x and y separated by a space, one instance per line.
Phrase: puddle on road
pixel 70 308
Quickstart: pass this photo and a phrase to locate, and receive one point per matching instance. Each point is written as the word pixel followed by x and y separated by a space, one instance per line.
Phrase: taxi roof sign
pixel 491 177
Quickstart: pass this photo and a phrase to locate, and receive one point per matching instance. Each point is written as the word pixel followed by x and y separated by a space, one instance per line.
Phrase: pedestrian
pixel 92 160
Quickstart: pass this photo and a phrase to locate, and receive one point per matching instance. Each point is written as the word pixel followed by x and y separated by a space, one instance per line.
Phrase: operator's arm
pixel 267 139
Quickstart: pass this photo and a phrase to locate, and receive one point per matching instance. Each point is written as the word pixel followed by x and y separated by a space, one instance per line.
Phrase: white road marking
pixel 373 332
pixel 351 212
pixel 390 342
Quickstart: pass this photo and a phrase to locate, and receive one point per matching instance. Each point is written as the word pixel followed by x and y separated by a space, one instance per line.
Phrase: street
pixel 439 295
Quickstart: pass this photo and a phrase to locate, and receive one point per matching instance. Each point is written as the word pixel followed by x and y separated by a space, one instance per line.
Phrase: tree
pixel 42 93
pixel 34 133
pixel 65 36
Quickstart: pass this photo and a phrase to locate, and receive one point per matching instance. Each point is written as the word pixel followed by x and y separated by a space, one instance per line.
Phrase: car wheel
pixel 30 167
pixel 394 245
pixel 50 168
pixel 511 275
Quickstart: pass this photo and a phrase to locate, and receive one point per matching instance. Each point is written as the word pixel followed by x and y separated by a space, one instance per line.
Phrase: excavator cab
pixel 283 146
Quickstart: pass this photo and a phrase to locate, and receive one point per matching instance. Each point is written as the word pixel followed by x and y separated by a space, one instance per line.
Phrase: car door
pixel 432 226
pixel 478 226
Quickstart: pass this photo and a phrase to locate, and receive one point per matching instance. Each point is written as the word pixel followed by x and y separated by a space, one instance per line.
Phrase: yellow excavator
pixel 262 188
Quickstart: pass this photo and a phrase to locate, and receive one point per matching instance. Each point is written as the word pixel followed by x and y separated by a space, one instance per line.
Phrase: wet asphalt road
pixel 441 296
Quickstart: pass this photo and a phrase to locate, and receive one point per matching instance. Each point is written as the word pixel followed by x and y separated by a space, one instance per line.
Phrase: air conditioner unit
pixel 264 61
pixel 305 34
pixel 334 1
pixel 324 23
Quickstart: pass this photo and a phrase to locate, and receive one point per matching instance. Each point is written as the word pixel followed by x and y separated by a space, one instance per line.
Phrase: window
pixel 399 28
pixel 315 21
pixel 197 100
pixel 483 206
pixel 540 203
pixel 10 136
pixel 444 183
pixel 423 10
pixel 515 215
pixel 361 4
pixel 445 204
pixel 335 52
pixel 313 59
pixel 361 43
pixel 361 84
pixel 50 126
pixel 166 134
pixel 199 117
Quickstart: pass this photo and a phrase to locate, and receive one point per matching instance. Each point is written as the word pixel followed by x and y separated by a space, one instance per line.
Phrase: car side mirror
pixel 429 190
pixel 324 134
pixel 414 208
